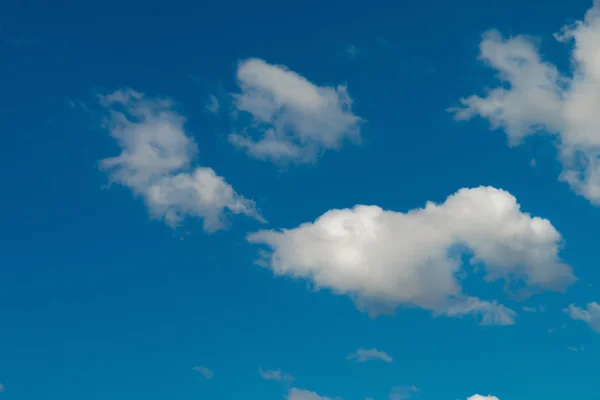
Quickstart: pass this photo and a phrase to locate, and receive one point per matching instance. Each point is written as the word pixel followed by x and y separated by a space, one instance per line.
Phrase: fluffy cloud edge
pixel 293 119
pixel 350 252
pixel 535 97
pixel 156 159
pixel 590 314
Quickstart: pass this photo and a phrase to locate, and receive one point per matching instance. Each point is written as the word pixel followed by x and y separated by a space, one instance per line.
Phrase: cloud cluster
pixel 364 355
pixel 590 315
pixel 540 99
pixel 293 120
pixel 390 258
pixel 156 163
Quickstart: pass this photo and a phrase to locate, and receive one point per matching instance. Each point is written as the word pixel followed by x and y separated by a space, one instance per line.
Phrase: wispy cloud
pixel 351 51
pixel 212 104
pixel 403 392
pixel 363 355
pixel 276 375
pixel 205 372
pixel 533 309
pixel 303 394
pixel 156 164
pixel 590 315
pixel 76 104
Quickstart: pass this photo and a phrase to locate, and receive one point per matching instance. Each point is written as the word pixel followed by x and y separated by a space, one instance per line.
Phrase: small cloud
pixel 205 372
pixel 303 394
pixel 363 355
pixel 213 104
pixel 403 392
pixel 276 375
pixel 76 104
pixel 533 163
pixel 2 388
pixel 551 330
pixel 293 119
pixel 533 309
pixel 590 314
pixel 576 349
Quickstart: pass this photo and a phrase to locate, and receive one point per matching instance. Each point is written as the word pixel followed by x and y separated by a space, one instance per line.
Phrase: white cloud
pixel 538 98
pixel 403 392
pixel 386 258
pixel 156 164
pixel 480 397
pixel 363 355
pixel 205 372
pixel 294 120
pixel 302 394
pixel 2 388
pixel 276 375
pixel 589 315
pixel 212 104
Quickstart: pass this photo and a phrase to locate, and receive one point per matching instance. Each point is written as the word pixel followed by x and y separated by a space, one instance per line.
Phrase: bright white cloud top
pixel 364 355
pixel 390 258
pixel 293 120
pixel 156 164
pixel 480 397
pixel 589 315
pixel 540 99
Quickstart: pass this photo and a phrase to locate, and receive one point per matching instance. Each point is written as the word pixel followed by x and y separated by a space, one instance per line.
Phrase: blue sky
pixel 308 201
